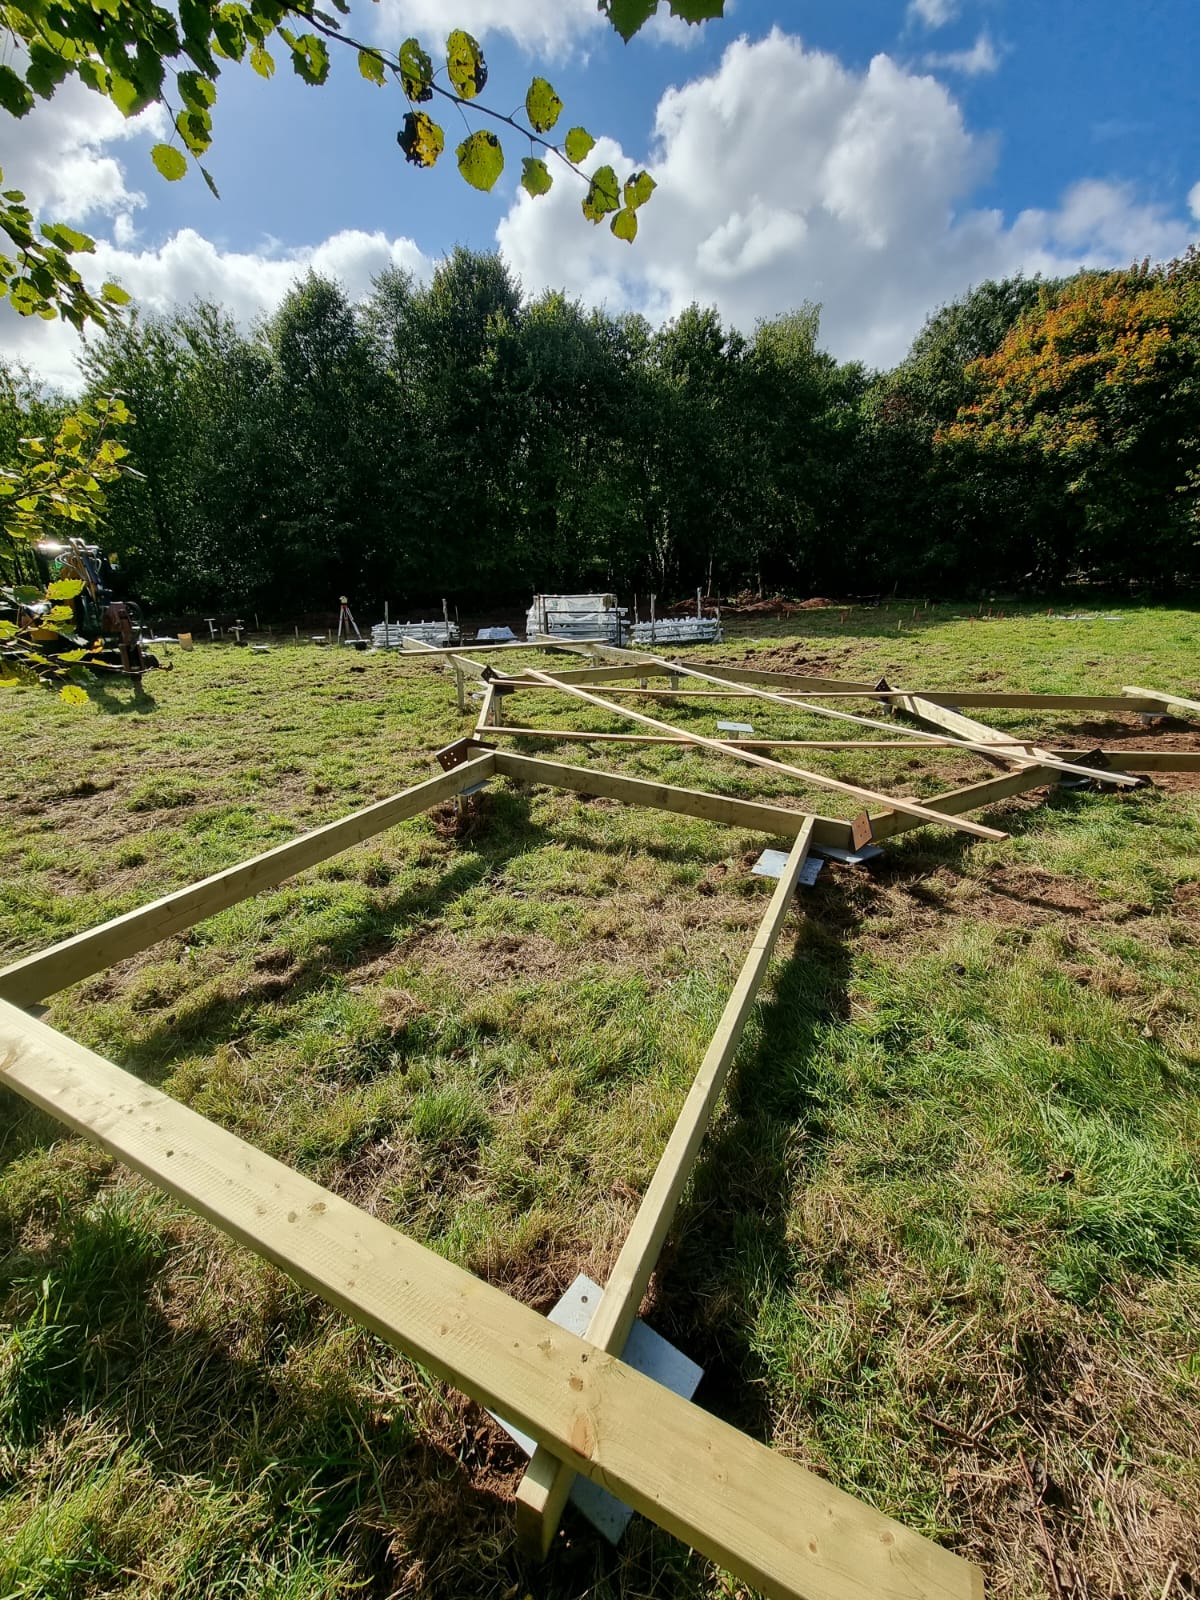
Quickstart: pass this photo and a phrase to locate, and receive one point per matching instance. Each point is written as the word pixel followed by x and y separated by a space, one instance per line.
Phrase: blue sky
pixel 877 156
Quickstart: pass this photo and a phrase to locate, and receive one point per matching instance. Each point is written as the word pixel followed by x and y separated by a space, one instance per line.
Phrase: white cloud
pixel 544 27
pixel 983 57
pixel 1194 202
pixel 549 27
pixel 933 13
pixel 785 176
pixel 188 267
pixel 55 154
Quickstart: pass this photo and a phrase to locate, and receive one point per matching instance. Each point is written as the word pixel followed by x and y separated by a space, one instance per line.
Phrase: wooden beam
pixel 779 1528
pixel 544 1489
pixel 1156 700
pixel 777 821
pixel 819 779
pixel 1017 752
pixel 585 735
pixel 1144 760
pixel 37 976
pixel 972 797
pixel 835 688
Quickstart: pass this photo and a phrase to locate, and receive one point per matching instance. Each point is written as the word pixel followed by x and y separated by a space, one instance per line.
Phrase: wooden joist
pixel 1156 700
pixel 777 821
pixel 37 976
pixel 819 779
pixel 544 1489
pixel 978 747
pixel 781 1529
pixel 585 735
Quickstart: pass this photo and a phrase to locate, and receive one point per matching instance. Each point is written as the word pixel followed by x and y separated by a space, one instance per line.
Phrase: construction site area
pixel 675 1104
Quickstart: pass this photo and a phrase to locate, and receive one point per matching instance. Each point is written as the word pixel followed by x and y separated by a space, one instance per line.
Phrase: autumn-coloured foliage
pixel 1099 388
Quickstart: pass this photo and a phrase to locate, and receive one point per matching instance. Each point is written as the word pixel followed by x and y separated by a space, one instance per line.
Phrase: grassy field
pixel 943 1242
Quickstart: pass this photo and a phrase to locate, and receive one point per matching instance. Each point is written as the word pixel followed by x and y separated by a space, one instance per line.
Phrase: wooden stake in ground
pixel 544 1489
pixel 819 779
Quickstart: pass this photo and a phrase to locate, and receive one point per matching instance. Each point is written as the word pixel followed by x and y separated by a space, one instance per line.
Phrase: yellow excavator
pixel 111 630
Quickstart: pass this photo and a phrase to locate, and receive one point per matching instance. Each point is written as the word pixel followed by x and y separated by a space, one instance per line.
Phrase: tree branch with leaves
pixel 138 54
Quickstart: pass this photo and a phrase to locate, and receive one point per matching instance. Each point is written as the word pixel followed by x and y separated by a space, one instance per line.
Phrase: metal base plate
pixel 646 1352
pixel 772 862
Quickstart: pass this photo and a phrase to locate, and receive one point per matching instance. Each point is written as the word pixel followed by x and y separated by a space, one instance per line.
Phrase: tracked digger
pixel 109 629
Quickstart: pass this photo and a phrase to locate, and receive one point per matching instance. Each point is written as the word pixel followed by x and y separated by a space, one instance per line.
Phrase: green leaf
pixel 46 71
pixel 480 159
pixel 112 293
pixel 416 72
pixel 638 189
pixel 578 145
pixel 229 31
pixel 467 68
pixel 370 65
pixel 421 139
pixel 193 128
pixel 697 10
pixel 262 61
pixel 542 106
pixel 197 91
pixel 310 58
pixel 16 97
pixel 65 589
pixel 208 179
pixel 170 162
pixel 67 238
pixel 73 696
pixel 535 176
pixel 627 16
pixel 625 225
pixel 26 595
pixel 603 195
pixel 128 98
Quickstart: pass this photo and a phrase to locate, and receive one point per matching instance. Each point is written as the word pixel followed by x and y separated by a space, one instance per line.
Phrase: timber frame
pixel 766 1519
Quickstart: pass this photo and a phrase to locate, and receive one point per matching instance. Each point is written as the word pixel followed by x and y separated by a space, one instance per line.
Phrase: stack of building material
pixel 578 616
pixel 677 630
pixel 391 635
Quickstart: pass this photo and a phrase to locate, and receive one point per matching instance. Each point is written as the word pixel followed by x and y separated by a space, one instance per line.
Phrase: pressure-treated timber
pixel 779 1528
pixel 777 821
pixel 819 779
pixel 543 1490
pixel 1156 700
pixel 37 976
pixel 815 691
pixel 971 797
pixel 586 736
pixel 1144 760
pixel 1017 753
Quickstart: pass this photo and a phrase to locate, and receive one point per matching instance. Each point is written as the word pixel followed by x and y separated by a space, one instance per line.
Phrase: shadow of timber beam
pixel 37 976
pixel 781 1529
pixel 543 1491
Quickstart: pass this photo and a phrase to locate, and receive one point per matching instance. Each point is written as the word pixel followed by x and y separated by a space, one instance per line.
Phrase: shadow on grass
pixel 120 700
pixel 338 1458
pixel 728 1245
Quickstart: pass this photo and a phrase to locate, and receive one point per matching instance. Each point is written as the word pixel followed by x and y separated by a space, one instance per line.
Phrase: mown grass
pixel 943 1242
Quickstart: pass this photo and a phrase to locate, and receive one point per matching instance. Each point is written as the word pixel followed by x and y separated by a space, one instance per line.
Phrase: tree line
pixel 452 439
